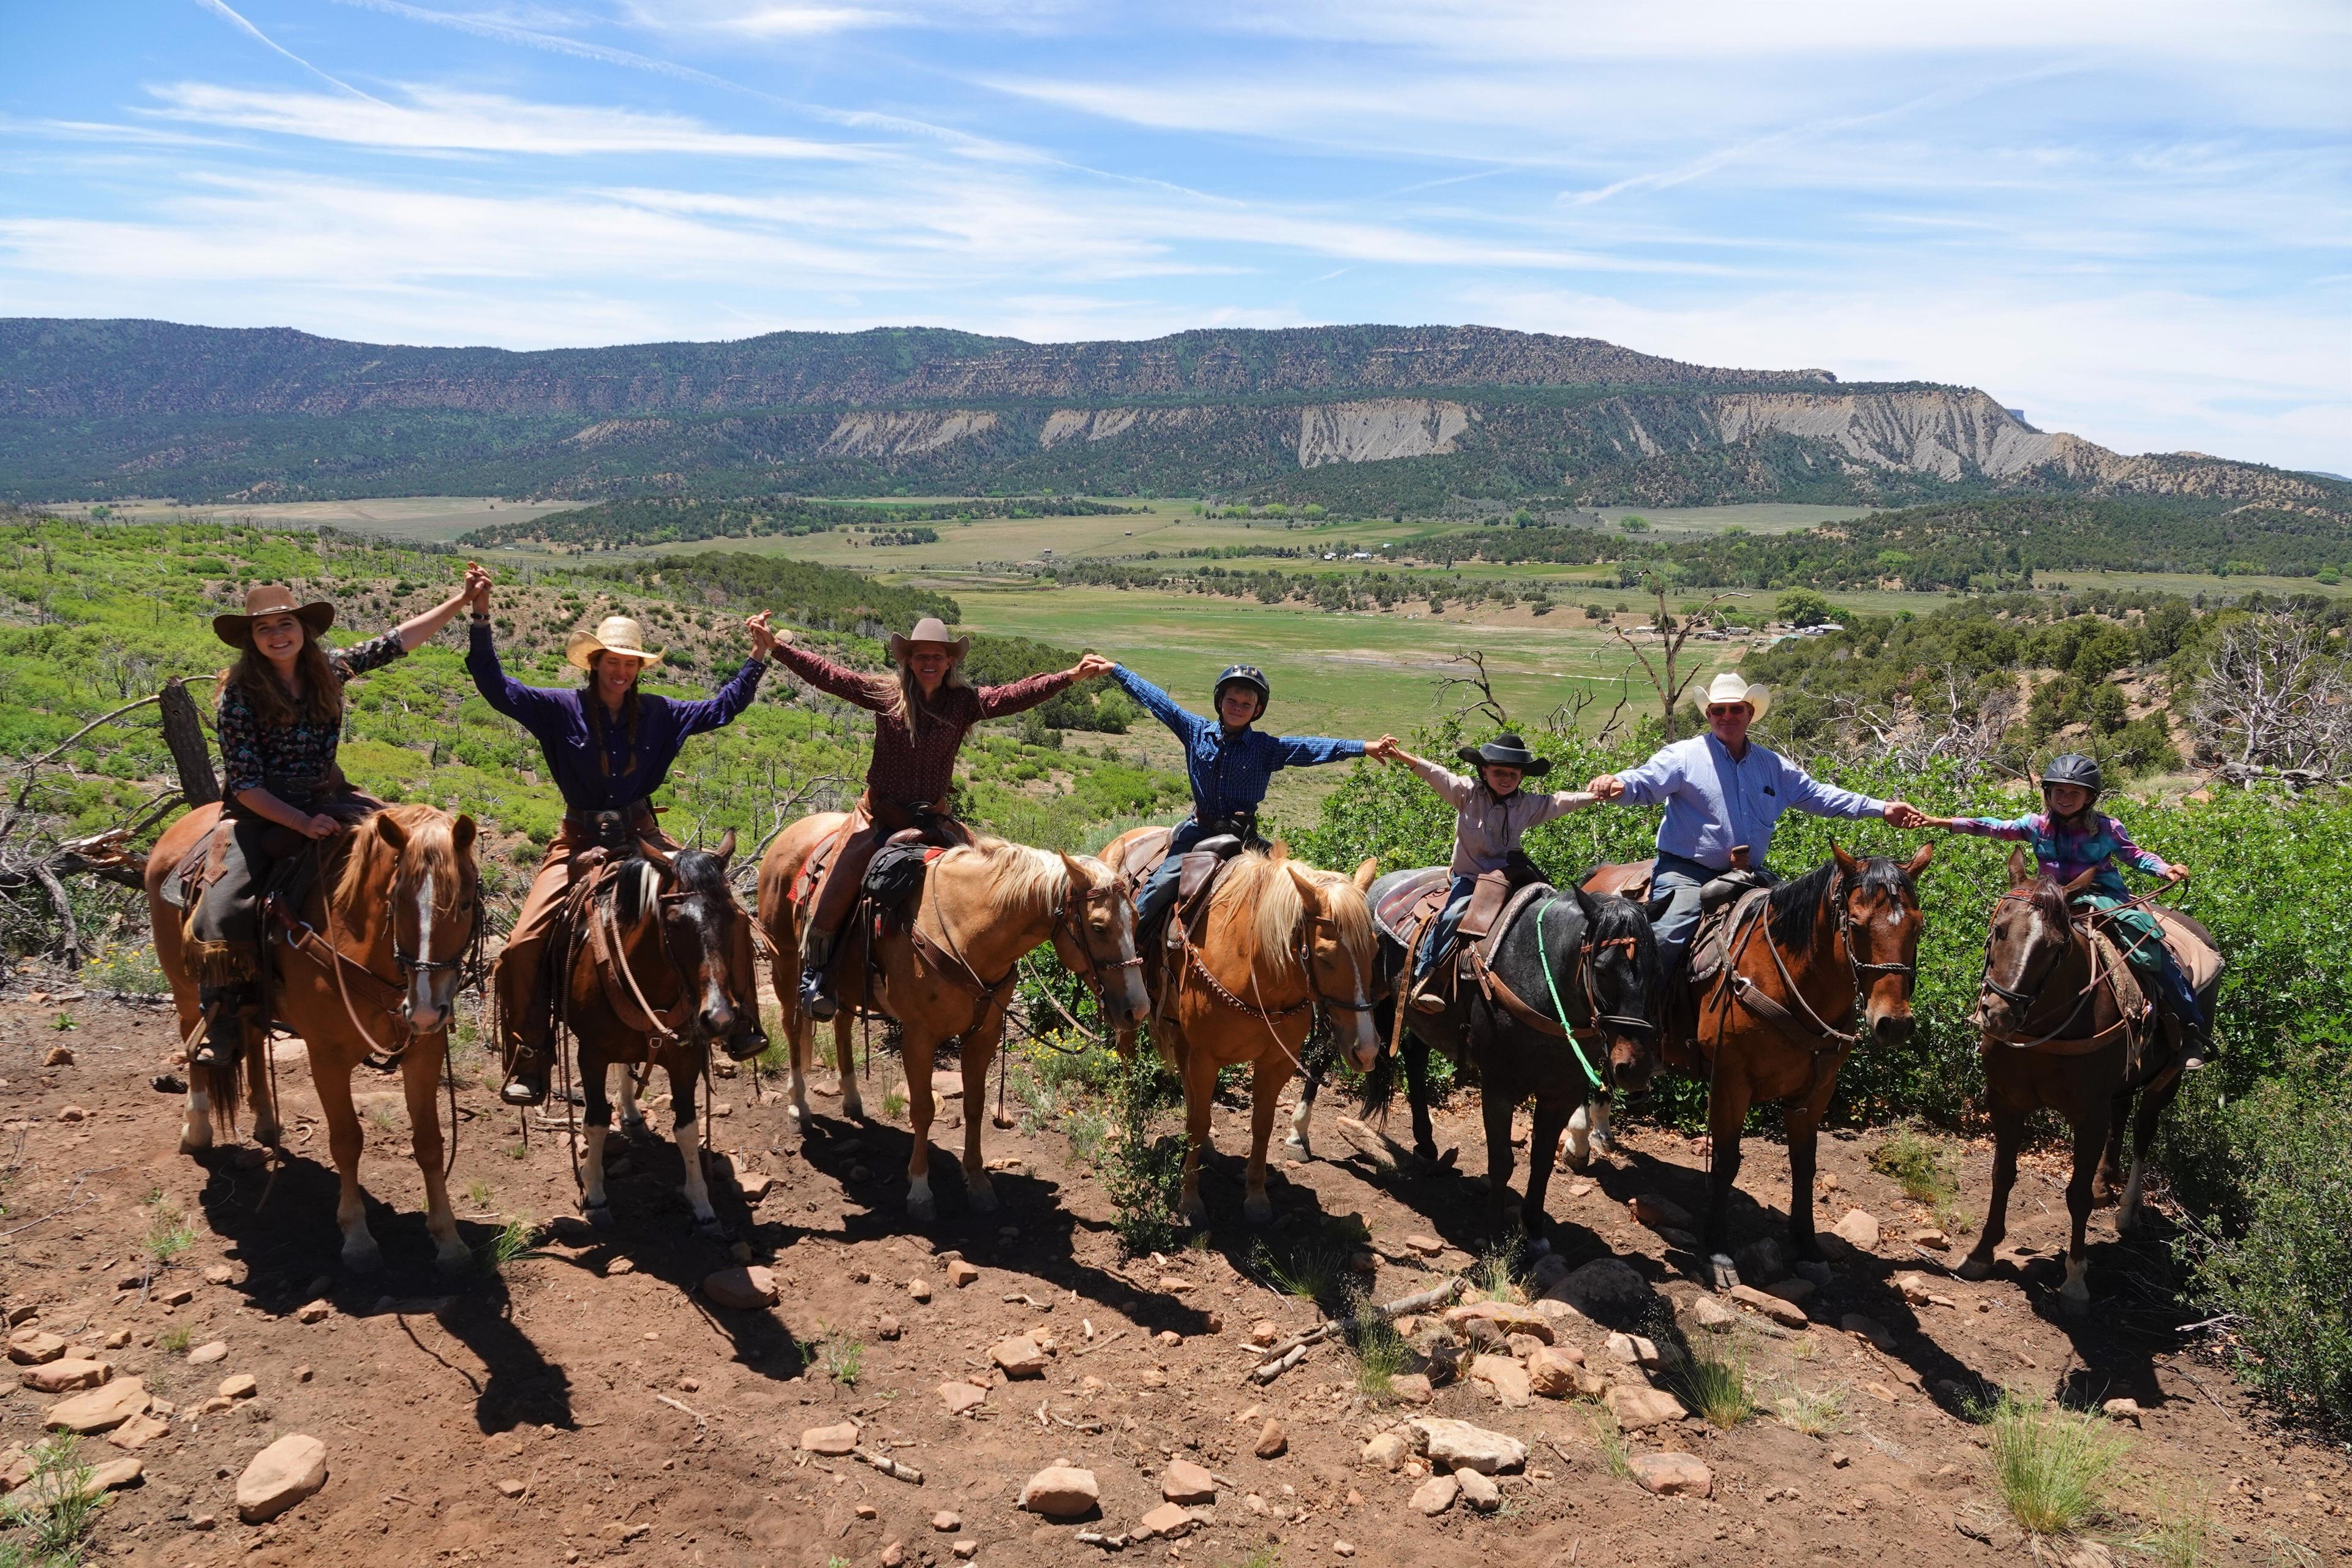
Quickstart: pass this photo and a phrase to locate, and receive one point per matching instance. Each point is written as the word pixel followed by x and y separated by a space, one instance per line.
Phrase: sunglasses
pixel 1725 709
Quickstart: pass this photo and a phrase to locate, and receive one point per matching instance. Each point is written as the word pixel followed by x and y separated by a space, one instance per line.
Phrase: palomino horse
pixel 949 974
pixel 1771 1025
pixel 647 983
pixel 1276 940
pixel 2055 1038
pixel 367 974
pixel 1575 969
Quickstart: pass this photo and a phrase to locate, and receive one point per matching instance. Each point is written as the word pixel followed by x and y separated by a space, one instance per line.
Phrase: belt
pixel 898 816
pixel 611 822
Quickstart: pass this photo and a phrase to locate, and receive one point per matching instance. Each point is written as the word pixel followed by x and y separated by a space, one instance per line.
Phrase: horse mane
pixel 1263 884
pixel 1795 905
pixel 1018 876
pixel 2049 898
pixel 1614 918
pixel 430 842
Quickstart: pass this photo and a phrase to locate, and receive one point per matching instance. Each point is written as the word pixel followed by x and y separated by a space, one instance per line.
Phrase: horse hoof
pixel 268 1137
pixel 2075 1306
pixel 364 1259
pixel 1193 1212
pixel 454 1260
pixel 1298 1146
pixel 854 1109
pixel 636 1129
pixel 1724 1272
pixel 797 1115
pixel 598 1215
pixel 922 1210
pixel 1258 1211
pixel 1537 1247
pixel 195 1148
pixel 1974 1268
pixel 983 1199
pixel 1444 1161
pixel 710 1229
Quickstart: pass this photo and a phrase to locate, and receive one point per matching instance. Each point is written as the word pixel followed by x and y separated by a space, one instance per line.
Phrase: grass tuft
pixel 1496 1276
pixel 1307 1269
pixel 2182 1533
pixel 57 1508
pixel 516 1240
pixel 1816 1413
pixel 1923 1168
pixel 1380 1352
pixel 1712 1379
pixel 172 1341
pixel 1616 1456
pixel 168 1234
pixel 2050 1467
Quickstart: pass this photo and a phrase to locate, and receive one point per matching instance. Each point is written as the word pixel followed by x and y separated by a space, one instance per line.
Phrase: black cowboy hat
pixel 1507 751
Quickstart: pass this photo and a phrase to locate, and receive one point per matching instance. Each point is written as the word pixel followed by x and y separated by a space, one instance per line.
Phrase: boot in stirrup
pixel 526 1081
pixel 816 996
pixel 226 1013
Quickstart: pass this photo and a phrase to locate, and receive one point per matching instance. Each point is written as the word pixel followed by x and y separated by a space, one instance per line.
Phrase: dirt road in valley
pixel 591 1401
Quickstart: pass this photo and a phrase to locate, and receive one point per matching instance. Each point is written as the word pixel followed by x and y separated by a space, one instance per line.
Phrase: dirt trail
pixel 590 1403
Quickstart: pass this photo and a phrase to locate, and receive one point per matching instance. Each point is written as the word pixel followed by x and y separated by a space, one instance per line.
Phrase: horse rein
pixel 378 1058
pixel 2024 1000
pixel 1744 990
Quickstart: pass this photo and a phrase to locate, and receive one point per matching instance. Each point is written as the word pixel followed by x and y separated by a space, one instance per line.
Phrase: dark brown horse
pixel 1772 1024
pixel 648 984
pixel 2056 1037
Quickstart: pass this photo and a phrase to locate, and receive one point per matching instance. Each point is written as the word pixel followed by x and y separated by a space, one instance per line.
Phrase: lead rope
pixel 1543 958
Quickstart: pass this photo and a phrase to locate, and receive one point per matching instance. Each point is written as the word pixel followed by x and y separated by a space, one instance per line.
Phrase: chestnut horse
pixel 2055 1038
pixel 949 974
pixel 1772 1025
pixel 649 984
pixel 368 973
pixel 1276 941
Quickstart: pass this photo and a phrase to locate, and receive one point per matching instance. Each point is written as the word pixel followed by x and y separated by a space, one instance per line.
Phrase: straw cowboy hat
pixel 1507 751
pixel 1732 687
pixel 272 599
pixel 930 629
pixel 615 635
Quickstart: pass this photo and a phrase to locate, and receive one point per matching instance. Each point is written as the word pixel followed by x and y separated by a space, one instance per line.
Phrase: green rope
pixel 1543 956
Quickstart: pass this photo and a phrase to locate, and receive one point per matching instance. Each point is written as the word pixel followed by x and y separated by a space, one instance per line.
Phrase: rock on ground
pixel 743 1289
pixel 1061 1491
pixel 1607 1290
pixel 1870 1328
pixel 1387 1450
pixel 1672 1475
pixel 107 1405
pixel 1707 1312
pixel 1788 1314
pixel 1019 1357
pixel 1169 1519
pixel 1185 1481
pixel 1479 1491
pixel 1436 1495
pixel 839 1439
pixel 961 1396
pixel 279 1477
pixel 1508 1316
pixel 1272 1441
pixel 65 1375
pixel 1636 1408
pixel 1502 1377
pixel 1454 1445
pixel 1551 1372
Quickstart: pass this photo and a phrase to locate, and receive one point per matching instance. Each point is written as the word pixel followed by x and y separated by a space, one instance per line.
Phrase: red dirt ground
pixel 638 1423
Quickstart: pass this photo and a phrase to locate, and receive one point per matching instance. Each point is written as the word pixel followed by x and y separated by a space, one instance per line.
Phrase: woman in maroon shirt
pixel 921 716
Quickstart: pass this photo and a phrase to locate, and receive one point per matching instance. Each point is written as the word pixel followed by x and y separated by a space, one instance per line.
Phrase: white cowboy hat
pixel 615 635
pixel 932 630
pixel 1732 687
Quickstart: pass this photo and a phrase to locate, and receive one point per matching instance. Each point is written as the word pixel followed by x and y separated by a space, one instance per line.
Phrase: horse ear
pixel 388 828
pixel 462 833
pixel 1846 863
pixel 1280 851
pixel 726 851
pixel 2082 882
pixel 653 852
pixel 1077 870
pixel 1308 893
pixel 1918 863
pixel 1588 906
pixel 2020 871
pixel 1368 870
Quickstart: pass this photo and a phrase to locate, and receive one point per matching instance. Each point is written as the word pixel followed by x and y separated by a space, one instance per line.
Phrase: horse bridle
pixel 1067 918
pixel 1359 1002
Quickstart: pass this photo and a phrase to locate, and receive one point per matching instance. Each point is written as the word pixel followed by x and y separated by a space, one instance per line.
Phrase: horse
pixel 1595 963
pixel 1276 940
pixel 396 895
pixel 1771 1024
pixel 948 973
pixel 646 981
pixel 2055 1038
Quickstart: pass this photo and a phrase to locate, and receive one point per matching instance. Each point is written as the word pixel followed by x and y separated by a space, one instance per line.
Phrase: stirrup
pixel 815 997
pixel 1428 1000
pixel 750 1044
pixel 526 1082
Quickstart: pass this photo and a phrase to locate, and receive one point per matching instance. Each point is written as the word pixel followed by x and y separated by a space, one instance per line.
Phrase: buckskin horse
pixel 1568 970
pixel 2063 1029
pixel 645 981
pixel 363 968
pixel 1273 943
pixel 948 973
pixel 1771 1021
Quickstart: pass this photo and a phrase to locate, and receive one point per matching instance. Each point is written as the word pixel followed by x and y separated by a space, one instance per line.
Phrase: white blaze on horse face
pixel 424 1006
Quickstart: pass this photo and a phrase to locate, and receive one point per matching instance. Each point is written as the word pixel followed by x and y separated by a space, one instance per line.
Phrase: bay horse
pixel 1276 941
pixel 366 973
pixel 949 973
pixel 2055 1037
pixel 648 982
pixel 1772 1023
pixel 1587 956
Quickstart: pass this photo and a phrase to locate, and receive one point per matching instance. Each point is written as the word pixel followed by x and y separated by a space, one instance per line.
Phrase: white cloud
pixel 438 118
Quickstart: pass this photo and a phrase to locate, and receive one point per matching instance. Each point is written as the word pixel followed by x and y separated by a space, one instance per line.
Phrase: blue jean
pixel 1449 920
pixel 1158 890
pixel 1679 879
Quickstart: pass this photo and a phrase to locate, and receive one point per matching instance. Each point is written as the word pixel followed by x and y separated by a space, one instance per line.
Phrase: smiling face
pixel 2065 800
pixel 1729 721
pixel 1238 706
pixel 931 664
pixel 616 673
pixel 1500 779
pixel 278 638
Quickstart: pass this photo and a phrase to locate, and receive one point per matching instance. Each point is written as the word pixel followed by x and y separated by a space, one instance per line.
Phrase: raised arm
pixel 529 706
pixel 1311 751
pixel 828 677
pixel 2140 859
pixel 418 630
pixel 1803 792
pixel 1020 696
pixel 722 708
pixel 1560 802
pixel 1451 787
pixel 1648 785
pixel 2013 829
pixel 1157 703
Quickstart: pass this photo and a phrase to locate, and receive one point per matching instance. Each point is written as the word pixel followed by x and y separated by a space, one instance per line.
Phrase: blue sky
pixel 2133 221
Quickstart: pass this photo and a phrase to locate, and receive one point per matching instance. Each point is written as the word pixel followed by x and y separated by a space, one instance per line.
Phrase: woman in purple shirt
pixel 608 748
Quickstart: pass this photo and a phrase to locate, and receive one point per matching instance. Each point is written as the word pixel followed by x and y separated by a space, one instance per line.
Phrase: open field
pixel 409 520
pixel 1762 516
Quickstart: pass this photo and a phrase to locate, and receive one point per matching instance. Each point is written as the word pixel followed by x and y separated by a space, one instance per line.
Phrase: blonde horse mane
pixel 1262 884
pixel 430 840
pixel 1018 877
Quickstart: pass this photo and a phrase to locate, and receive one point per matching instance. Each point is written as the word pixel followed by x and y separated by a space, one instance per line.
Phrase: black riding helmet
pixel 1247 675
pixel 2074 768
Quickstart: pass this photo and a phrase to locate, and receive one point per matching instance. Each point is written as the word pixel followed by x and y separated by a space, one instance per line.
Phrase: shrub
pixel 1142 1172
pixel 2050 1467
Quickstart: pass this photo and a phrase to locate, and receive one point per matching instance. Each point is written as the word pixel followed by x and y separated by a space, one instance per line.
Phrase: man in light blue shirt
pixel 1722 791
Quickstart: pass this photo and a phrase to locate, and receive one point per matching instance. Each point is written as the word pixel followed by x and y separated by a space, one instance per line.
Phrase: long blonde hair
pixel 903 695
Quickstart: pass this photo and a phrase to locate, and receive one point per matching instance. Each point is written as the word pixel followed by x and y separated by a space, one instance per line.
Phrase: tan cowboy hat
pixel 933 630
pixel 272 599
pixel 613 634
pixel 1732 687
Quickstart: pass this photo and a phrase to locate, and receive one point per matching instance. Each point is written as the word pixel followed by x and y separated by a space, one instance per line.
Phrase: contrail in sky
pixel 219 8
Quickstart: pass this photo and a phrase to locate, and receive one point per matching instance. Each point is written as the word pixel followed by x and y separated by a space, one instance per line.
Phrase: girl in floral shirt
pixel 281 718
pixel 2070 839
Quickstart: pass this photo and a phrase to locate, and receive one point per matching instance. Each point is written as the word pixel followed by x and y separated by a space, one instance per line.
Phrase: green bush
pixel 1141 1175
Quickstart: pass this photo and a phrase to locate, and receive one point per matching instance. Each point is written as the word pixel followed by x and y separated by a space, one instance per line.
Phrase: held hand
pixel 2177 875
pixel 477 588
pixel 1902 814
pixel 1608 786
pixel 320 826
pixel 1092 665
pixel 763 637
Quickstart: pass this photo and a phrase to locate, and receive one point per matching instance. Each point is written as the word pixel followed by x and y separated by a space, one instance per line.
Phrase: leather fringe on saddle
pixel 219 963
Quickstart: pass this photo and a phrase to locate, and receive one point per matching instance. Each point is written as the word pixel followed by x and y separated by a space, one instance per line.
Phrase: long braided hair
pixel 593 704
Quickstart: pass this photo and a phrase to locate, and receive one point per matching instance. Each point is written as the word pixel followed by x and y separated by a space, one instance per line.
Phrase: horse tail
pixel 223 1079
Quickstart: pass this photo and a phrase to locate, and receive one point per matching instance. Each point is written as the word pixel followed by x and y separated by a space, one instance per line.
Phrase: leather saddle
pixel 1194 881
pixel 184 886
